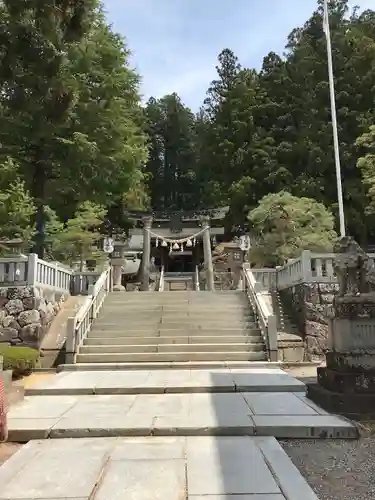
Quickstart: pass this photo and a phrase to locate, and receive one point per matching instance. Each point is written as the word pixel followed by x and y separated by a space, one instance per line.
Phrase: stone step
pixel 184 295
pixel 146 312
pixel 145 381
pixel 282 415
pixel 162 324
pixel 183 312
pixel 114 331
pixel 238 302
pixel 140 340
pixel 185 305
pixel 171 357
pixel 171 325
pixel 176 365
pixel 171 348
pixel 168 304
pixel 179 301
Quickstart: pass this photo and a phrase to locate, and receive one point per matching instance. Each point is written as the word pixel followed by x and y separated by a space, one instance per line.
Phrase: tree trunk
pixel 38 193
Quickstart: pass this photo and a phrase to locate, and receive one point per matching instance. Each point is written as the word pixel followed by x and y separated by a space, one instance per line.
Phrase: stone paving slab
pixel 153 468
pixel 163 381
pixel 283 415
pixel 174 365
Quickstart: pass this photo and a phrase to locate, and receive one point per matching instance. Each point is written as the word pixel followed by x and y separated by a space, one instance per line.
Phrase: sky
pixel 175 43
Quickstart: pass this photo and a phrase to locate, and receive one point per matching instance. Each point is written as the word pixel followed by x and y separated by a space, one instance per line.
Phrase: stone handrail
pixel 82 280
pixel 265 277
pixel 266 318
pixel 161 280
pixel 197 286
pixel 22 270
pixel 310 267
pixel 78 326
pixel 51 274
pixel 14 270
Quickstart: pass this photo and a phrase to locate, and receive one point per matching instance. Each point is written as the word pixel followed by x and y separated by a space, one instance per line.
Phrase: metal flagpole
pixel 334 119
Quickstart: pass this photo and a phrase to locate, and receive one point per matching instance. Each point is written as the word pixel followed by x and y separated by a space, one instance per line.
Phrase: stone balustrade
pixel 30 271
pixel 310 267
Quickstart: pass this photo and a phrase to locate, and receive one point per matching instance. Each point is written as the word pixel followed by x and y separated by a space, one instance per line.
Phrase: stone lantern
pixel 118 264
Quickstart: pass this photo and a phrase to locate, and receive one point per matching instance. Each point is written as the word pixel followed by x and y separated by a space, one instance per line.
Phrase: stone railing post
pixel 32 269
pixel 272 337
pixel 146 257
pixel 117 267
pixel 208 254
pixel 306 266
pixel 70 345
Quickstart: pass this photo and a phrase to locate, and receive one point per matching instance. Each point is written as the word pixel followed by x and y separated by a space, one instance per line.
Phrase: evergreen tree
pixel 69 105
pixel 283 225
pixel 172 155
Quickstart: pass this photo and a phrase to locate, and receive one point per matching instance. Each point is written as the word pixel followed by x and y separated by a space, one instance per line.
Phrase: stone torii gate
pixel 146 257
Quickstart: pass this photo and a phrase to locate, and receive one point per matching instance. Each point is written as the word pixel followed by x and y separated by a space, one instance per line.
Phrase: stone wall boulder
pixel 26 314
pixel 11 322
pixel 308 305
pixel 27 317
pixel 31 334
pixel 14 306
pixel 8 334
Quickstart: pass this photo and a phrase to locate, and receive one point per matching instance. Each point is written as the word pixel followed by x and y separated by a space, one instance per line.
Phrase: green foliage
pixel 70 110
pixel 283 225
pixel 366 164
pixel 172 156
pixel 22 360
pixel 261 132
pixel 16 205
pixel 79 236
pixel 137 197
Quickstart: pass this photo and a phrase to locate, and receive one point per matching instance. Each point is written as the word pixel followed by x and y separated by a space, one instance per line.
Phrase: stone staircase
pixel 181 326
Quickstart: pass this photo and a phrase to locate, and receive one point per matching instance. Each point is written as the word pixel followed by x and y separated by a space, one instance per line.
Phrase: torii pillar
pixel 146 257
pixel 208 254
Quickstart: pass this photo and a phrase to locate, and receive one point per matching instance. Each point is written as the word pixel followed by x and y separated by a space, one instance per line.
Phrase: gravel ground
pixel 336 469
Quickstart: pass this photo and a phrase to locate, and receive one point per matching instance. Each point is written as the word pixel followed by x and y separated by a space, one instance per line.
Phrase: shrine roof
pixel 183 215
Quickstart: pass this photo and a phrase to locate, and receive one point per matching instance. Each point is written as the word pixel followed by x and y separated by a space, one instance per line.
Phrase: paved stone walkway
pixel 193 468
pixel 168 381
pixel 163 435
pixel 172 402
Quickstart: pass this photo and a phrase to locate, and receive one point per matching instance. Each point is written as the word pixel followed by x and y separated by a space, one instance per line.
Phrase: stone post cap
pixel 205 220
pixel 147 222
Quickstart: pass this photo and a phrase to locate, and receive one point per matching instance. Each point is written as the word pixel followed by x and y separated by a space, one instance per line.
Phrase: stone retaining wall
pixel 307 305
pixel 26 314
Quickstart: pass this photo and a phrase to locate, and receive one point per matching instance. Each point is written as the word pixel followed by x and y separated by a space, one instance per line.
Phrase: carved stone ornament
pixel 355 273
pixel 354 269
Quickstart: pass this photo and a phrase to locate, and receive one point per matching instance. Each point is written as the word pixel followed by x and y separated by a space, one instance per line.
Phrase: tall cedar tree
pixel 69 108
pixel 35 39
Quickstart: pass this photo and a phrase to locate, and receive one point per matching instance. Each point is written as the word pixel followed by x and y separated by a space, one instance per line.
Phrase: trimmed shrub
pixel 22 360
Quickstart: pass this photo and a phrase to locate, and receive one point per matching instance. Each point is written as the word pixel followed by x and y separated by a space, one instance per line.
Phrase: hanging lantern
pixel 164 244
pixel 176 247
pixel 182 247
pixel 195 241
pixel 189 244
pixel 157 242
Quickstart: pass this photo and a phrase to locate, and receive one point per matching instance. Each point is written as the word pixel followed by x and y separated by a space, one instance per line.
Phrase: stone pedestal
pixel 146 257
pixel 117 266
pixel 347 384
pixel 208 255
